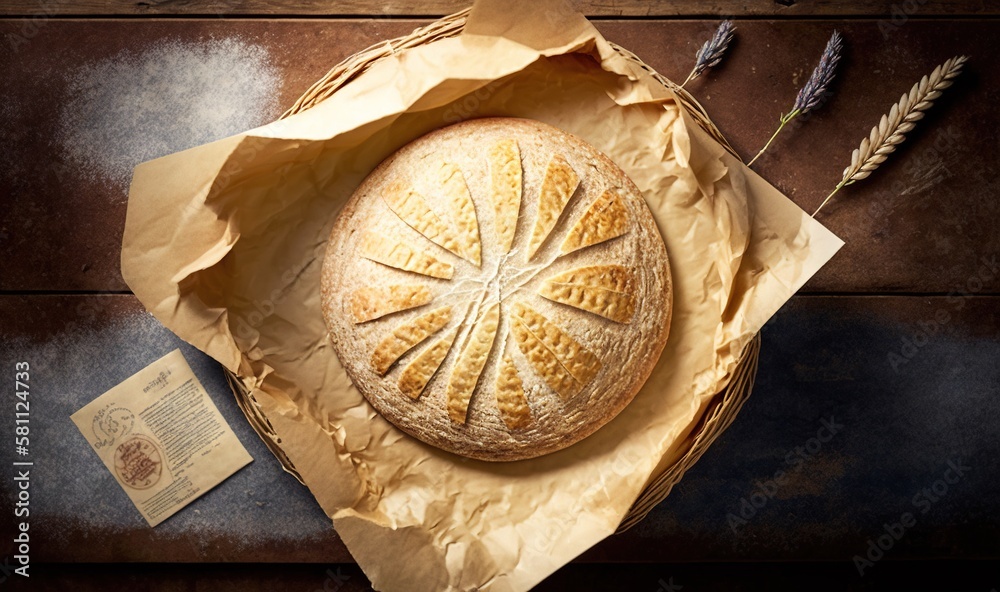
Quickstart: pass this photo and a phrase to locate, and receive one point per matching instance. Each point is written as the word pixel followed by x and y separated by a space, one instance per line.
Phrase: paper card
pixel 162 438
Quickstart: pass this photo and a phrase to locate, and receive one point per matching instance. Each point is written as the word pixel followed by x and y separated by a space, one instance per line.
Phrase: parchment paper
pixel 223 243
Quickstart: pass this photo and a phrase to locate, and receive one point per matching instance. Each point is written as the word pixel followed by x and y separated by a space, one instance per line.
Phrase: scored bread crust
pixel 548 347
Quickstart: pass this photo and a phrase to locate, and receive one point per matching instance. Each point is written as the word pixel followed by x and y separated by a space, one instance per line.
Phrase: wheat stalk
pixel 892 128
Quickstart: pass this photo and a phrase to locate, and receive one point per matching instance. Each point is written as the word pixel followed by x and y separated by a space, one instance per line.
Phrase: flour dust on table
pixel 71 490
pixel 139 105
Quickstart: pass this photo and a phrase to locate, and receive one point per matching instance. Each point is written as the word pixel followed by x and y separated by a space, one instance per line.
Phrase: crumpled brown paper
pixel 224 243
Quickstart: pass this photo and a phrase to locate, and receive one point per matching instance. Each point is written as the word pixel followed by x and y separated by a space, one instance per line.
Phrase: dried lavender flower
pixel 816 89
pixel 812 93
pixel 711 52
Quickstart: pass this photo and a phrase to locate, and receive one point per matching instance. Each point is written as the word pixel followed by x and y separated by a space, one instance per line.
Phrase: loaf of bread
pixel 497 288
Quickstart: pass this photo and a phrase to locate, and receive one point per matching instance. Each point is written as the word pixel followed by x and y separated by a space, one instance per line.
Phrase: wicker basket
pixel 724 406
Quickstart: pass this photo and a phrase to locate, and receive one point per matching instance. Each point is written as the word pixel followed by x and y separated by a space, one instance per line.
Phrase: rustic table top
pixel 894 343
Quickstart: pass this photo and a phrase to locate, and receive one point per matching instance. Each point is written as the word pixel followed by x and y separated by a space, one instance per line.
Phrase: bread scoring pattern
pixel 497 288
pixel 560 361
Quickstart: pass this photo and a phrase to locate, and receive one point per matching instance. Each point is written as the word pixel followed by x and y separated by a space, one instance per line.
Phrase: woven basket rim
pixel 724 406
pixel 450 26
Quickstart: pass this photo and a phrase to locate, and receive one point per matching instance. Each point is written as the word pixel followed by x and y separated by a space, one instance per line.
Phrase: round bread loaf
pixel 497 288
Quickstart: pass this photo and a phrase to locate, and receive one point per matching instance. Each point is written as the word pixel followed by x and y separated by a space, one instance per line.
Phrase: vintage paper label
pixel 162 438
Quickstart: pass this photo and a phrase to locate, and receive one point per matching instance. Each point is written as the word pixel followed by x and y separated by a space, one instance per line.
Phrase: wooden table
pixel 895 342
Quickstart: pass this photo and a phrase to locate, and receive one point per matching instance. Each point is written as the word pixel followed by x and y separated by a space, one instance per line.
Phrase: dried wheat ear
pixel 894 125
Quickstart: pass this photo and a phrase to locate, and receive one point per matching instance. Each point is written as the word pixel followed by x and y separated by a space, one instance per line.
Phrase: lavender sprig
pixel 816 89
pixel 711 52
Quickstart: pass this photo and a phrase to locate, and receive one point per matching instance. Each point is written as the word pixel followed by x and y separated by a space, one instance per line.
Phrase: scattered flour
pixel 134 107
pixel 72 491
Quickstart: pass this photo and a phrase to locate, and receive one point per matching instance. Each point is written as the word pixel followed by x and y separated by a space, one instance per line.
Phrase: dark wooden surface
pixel 597 8
pixel 896 339
pixel 951 575
pixel 825 358
pixel 928 240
